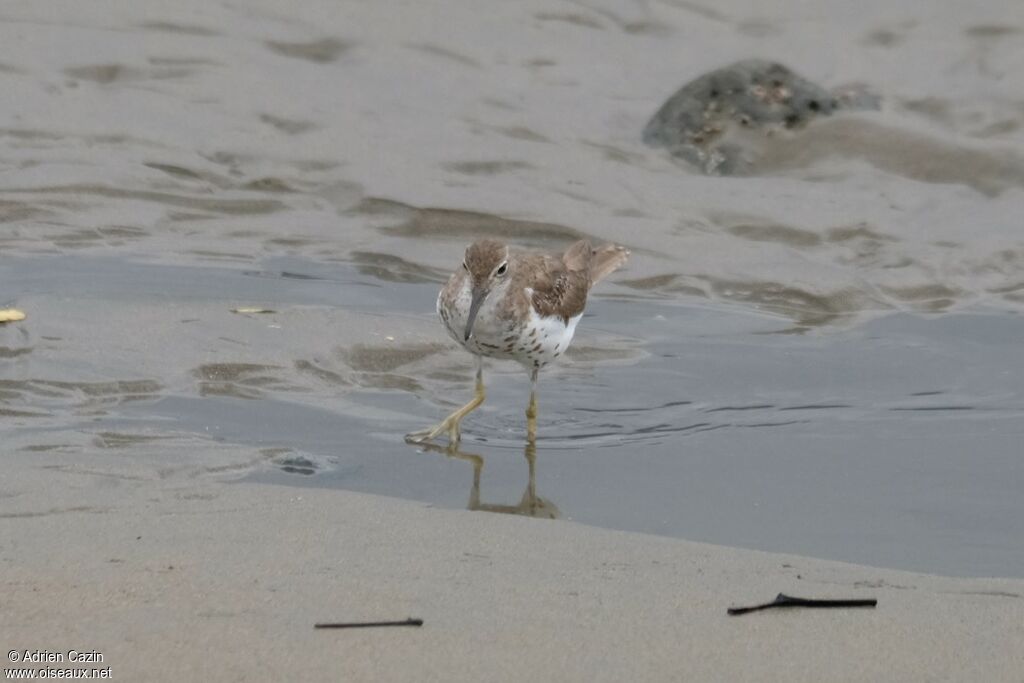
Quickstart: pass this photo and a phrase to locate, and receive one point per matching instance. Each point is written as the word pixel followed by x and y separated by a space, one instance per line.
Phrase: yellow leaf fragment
pixel 10 315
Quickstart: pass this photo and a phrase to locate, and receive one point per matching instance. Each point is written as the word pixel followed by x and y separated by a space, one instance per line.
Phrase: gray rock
pixel 751 94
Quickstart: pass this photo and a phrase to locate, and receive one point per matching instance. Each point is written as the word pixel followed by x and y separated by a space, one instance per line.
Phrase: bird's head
pixel 486 263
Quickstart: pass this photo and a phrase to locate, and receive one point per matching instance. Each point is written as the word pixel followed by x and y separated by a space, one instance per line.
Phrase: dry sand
pixel 213 580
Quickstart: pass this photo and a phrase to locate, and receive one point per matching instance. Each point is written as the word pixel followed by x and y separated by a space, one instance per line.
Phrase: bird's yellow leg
pixel 451 423
pixel 531 410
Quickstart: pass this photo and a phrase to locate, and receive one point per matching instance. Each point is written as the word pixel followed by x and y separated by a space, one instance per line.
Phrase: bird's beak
pixel 479 294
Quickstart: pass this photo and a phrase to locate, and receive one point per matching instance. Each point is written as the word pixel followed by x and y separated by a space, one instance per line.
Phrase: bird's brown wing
pixel 560 283
pixel 559 290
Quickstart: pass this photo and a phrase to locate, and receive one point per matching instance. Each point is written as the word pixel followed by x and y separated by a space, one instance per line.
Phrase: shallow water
pixel 822 357
pixel 895 443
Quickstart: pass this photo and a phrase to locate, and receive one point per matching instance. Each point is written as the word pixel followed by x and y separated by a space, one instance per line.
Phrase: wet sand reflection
pixel 530 505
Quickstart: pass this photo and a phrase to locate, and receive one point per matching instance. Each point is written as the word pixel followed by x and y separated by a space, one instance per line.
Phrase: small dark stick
pixel 370 624
pixel 789 601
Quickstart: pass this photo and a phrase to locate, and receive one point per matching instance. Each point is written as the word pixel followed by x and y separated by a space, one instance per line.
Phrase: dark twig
pixel 789 601
pixel 370 624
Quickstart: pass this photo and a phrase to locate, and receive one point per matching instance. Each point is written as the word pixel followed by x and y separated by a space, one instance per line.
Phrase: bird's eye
pixel 502 269
pixel 465 267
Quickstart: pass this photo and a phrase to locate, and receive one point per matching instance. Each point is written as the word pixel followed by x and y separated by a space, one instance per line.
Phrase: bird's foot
pixel 447 425
pixel 451 424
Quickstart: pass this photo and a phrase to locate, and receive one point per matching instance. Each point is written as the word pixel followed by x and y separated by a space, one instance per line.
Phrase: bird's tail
pixel 606 260
pixel 600 262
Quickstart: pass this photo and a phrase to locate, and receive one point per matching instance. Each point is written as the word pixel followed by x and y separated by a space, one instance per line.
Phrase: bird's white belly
pixel 544 338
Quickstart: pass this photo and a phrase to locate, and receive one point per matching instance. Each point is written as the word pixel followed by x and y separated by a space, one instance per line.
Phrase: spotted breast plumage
pixel 520 305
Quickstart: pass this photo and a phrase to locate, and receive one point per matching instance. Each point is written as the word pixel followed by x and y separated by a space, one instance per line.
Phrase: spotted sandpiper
pixel 521 305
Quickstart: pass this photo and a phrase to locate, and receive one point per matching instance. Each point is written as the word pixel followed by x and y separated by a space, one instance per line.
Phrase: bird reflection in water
pixel 530 505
